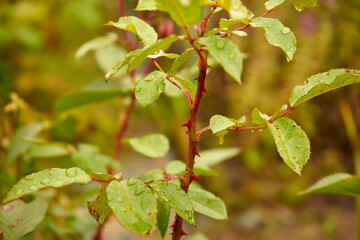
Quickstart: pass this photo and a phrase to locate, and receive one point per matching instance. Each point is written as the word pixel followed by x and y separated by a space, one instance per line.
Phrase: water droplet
pixel 290 56
pixel 139 190
pixel 260 130
pixel 120 199
pixel 45 181
pixel 71 172
pixel 33 187
pixel 220 44
pixel 231 56
pixel 19 192
pixel 252 131
pixel 285 30
pixel 178 188
pixel 123 209
pixel 131 181
pixel 185 3
pixel 288 45
pixel 110 198
pixel 298 146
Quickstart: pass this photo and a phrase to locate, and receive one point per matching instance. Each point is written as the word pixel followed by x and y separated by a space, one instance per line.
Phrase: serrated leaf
pixel 322 83
pixel 144 32
pixel 298 4
pixel 18 218
pixel 146 5
pixel 219 123
pixel 149 89
pixel 339 183
pixel 207 203
pixel 183 12
pixel 179 61
pixel 236 10
pixel 176 198
pixel 133 204
pixel 162 44
pixel 215 156
pixel 226 54
pixel 151 145
pixel 162 216
pixel 88 97
pixel 54 177
pixel 259 118
pixel 18 146
pixel 291 142
pixel 152 175
pixel 96 43
pixel 277 35
pixel 98 208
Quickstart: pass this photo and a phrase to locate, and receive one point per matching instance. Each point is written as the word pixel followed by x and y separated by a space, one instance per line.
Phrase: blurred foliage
pixel 38 41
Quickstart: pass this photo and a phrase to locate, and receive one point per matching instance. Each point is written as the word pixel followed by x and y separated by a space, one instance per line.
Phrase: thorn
pixel 208 66
pixel 197 78
pixel 183 233
pixel 187 124
pixel 196 152
pixel 205 91
pixel 172 225
pixel 194 177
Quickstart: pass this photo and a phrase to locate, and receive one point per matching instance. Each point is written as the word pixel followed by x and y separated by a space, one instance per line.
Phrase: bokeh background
pixel 38 41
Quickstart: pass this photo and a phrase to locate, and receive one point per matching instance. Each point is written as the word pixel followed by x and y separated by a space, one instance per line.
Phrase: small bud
pixel 197 29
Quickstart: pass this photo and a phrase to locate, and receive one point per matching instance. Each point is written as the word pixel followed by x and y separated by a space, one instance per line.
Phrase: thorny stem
pixel 191 124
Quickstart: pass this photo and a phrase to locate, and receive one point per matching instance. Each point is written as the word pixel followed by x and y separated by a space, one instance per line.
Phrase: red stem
pixel 100 180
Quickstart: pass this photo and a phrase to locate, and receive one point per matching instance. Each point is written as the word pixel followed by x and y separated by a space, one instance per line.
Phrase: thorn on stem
pixel 205 91
pixel 172 225
pixel 183 233
pixel 196 152
pixel 197 78
pixel 194 177
pixel 187 124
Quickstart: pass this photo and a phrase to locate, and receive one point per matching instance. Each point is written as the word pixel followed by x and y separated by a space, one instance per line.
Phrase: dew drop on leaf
pixel 45 181
pixel 220 44
pixel 120 199
pixel 29 177
pixel 71 172
pixel 131 182
pixel 178 188
pixel 33 187
pixel 19 192
pixel 231 56
pixel 285 30
pixel 139 190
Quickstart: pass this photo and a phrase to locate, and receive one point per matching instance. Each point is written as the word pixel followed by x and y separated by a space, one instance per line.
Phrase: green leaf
pixel 198 236
pixel 176 198
pixel 322 83
pixel 219 123
pixel 83 98
pixel 187 85
pixel 96 43
pixel 122 63
pixel 183 12
pixel 298 4
pixel 107 56
pixel 162 216
pixel 149 89
pixel 226 54
pixel 207 203
pixel 146 5
pixel 215 156
pixel 18 218
pixel 227 23
pixel 18 146
pixel 339 183
pixel 179 61
pixel 139 57
pixel 144 32
pixel 151 146
pixel 259 118
pixel 48 150
pixel 133 204
pixel 277 35
pixel 152 175
pixel 291 142
pixel 239 33
pixel 98 208
pixel 236 10
pixel 53 177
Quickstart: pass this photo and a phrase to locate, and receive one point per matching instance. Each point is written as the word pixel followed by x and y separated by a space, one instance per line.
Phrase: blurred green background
pixel 38 41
